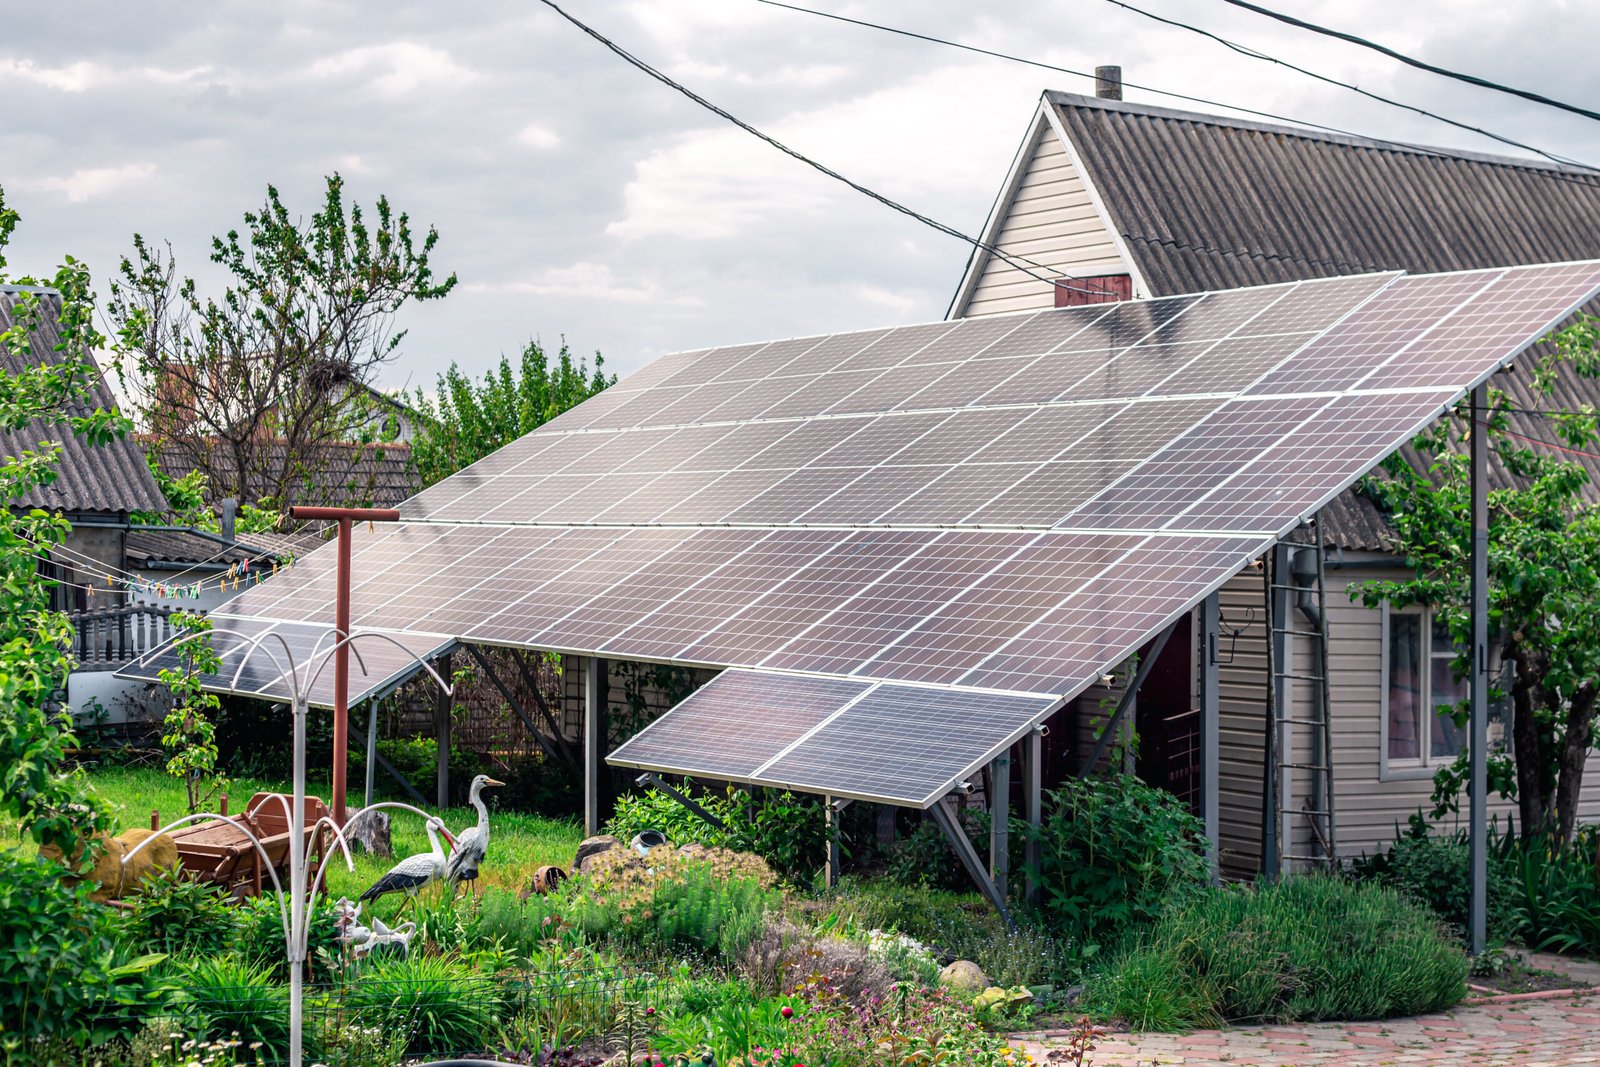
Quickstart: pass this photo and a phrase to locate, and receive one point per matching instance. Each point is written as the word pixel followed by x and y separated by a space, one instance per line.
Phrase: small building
pixel 1121 200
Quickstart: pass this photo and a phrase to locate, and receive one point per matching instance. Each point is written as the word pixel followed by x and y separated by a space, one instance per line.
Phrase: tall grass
pixel 1306 949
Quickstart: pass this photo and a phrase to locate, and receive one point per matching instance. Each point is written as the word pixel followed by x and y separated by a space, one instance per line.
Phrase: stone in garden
pixel 996 996
pixel 591 847
pixel 964 976
pixel 370 832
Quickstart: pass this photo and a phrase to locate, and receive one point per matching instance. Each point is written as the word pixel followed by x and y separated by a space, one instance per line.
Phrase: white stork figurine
pixel 413 872
pixel 473 842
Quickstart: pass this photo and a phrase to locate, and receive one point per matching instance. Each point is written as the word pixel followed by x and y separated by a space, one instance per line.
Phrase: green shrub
pixel 1554 889
pixel 1306 949
pixel 258 936
pixel 223 995
pixel 440 1004
pixel 1113 853
pixel 180 916
pixel 654 810
pixel 786 830
pixel 417 760
pixel 923 857
pixel 522 928
pixel 1431 868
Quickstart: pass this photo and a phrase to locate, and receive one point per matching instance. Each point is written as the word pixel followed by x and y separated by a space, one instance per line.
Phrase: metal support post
pixel 1130 697
pixel 1032 806
pixel 1000 821
pixel 945 816
pixel 830 872
pixel 372 752
pixel 441 725
pixel 1278 743
pixel 341 672
pixel 1210 732
pixel 1478 723
pixel 650 779
pixel 595 694
pixel 296 949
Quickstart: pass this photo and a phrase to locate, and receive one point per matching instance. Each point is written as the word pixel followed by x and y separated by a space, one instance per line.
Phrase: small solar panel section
pixel 257 653
pixel 881 742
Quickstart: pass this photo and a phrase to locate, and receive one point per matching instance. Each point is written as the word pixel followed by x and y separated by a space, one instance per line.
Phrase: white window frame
pixel 1426 764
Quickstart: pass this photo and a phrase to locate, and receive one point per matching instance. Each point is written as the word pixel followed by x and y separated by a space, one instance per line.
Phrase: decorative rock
pixel 591 847
pixel 370 832
pixel 964 976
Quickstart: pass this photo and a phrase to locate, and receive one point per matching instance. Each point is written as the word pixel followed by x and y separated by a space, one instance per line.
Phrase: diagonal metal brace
pixel 648 778
pixel 946 818
pixel 515 704
pixel 1128 695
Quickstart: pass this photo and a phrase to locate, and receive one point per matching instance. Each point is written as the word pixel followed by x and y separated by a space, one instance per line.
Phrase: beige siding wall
pixel 1051 221
pixel 1367 805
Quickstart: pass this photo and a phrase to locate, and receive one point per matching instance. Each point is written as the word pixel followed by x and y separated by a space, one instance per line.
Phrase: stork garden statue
pixel 413 872
pixel 473 842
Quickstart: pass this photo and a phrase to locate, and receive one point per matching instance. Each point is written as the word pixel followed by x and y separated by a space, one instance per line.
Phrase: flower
pixel 788 1013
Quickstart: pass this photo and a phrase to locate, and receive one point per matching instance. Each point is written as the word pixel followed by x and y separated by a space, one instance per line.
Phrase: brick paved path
pixel 1533 1033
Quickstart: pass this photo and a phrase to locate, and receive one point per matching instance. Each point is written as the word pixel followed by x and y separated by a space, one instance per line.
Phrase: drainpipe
pixel 1303 565
pixel 229 515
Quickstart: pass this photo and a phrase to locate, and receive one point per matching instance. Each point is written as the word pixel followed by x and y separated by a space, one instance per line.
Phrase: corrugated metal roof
pixel 1205 202
pixel 146 546
pixel 111 480
pixel 358 475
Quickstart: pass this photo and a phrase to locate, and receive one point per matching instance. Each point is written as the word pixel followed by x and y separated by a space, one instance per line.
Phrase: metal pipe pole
pixel 1210 730
pixel 341 673
pixel 1478 722
pixel 372 751
pixel 297 886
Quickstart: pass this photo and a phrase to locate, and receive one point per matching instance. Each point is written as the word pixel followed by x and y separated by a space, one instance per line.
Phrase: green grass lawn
pixel 518 842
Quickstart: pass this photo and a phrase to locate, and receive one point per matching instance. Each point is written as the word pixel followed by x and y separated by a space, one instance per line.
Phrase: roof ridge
pixel 1077 100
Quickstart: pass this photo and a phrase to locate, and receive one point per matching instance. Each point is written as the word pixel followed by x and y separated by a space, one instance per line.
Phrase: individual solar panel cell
pixel 1136 370
pixel 685 619
pixel 770 620
pixel 1192 465
pixel 1048 493
pixel 1218 315
pixel 998 607
pixel 1494 325
pixel 1308 467
pixel 904 744
pixel 796 494
pixel 1137 431
pixel 734 723
pixel 862 625
pixel 1230 365
pixel 1114 613
pixel 1395 317
pixel 670 574
pixel 960 491
pixel 966 382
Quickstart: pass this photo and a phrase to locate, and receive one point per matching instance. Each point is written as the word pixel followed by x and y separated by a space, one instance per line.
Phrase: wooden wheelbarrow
pixel 220 852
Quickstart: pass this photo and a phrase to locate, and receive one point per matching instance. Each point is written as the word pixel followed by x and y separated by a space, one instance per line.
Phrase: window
pixel 1420 692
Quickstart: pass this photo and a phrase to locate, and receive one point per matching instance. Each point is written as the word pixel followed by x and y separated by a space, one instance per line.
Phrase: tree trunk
pixel 1574 751
pixel 1527 750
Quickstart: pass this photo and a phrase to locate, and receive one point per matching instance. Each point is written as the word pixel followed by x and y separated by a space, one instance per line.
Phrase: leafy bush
pixel 417 760
pixel 1113 853
pixel 1431 868
pixel 58 974
pixel 258 938
pixel 654 810
pixel 786 830
pixel 522 928
pixel 441 1004
pixel 923 857
pixel 179 916
pixel 1554 891
pixel 222 996
pixel 1305 949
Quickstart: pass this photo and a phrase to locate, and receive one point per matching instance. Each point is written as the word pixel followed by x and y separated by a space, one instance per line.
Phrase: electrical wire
pixel 1252 53
pixel 1410 61
pixel 1423 150
pixel 1540 442
pixel 1012 259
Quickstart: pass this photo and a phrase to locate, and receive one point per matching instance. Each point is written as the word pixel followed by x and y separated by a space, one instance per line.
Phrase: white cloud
pixel 590 281
pixel 90 182
pixel 394 69
pixel 83 75
pixel 538 137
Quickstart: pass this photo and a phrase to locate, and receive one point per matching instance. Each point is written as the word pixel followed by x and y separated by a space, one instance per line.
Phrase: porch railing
pixel 108 637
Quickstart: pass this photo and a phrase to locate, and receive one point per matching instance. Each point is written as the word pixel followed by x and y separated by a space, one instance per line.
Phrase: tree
pixel 188 734
pixel 467 420
pixel 1544 584
pixel 266 389
pixel 52 803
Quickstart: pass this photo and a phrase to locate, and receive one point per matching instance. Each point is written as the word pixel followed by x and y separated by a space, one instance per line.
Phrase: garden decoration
pixel 472 843
pixel 295 905
pixel 413 872
pixel 645 840
pixel 362 939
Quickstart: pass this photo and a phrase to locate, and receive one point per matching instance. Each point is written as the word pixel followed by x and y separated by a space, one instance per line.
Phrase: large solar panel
pixel 1009 504
pixel 256 664
pixel 876 741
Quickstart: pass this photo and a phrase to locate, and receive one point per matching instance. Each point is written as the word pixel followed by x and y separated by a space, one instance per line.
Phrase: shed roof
pixel 111 479
pixel 155 546
pixel 1207 202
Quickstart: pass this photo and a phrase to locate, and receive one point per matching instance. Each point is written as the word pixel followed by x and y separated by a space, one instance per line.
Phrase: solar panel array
pixel 1011 503
pixel 878 741
pixel 255 664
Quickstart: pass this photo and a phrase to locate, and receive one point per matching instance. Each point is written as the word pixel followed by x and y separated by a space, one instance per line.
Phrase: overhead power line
pixel 1052 276
pixel 1411 61
pixel 1252 53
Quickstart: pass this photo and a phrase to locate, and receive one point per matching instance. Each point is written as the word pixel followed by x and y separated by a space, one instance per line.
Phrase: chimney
pixel 230 513
pixel 1108 83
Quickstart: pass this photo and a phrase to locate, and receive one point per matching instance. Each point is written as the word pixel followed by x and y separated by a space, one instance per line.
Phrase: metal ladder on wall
pixel 1296 596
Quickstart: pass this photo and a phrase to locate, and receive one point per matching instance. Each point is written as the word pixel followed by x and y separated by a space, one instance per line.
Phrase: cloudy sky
pixel 576 197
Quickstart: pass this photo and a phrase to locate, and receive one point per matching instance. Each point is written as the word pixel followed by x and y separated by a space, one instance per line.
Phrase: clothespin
pixel 90 588
pixel 108 581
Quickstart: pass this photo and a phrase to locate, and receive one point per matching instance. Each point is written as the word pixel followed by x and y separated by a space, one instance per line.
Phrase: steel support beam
pixel 1478 719
pixel 1032 806
pixel 945 816
pixel 441 726
pixel 531 681
pixel 1129 697
pixel 649 778
pixel 1277 742
pixel 596 691
pixel 1000 822
pixel 372 751
pixel 517 709
pixel 1210 730
pixel 831 812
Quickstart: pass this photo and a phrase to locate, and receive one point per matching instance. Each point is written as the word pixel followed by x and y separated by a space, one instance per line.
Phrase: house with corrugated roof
pixel 1108 200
